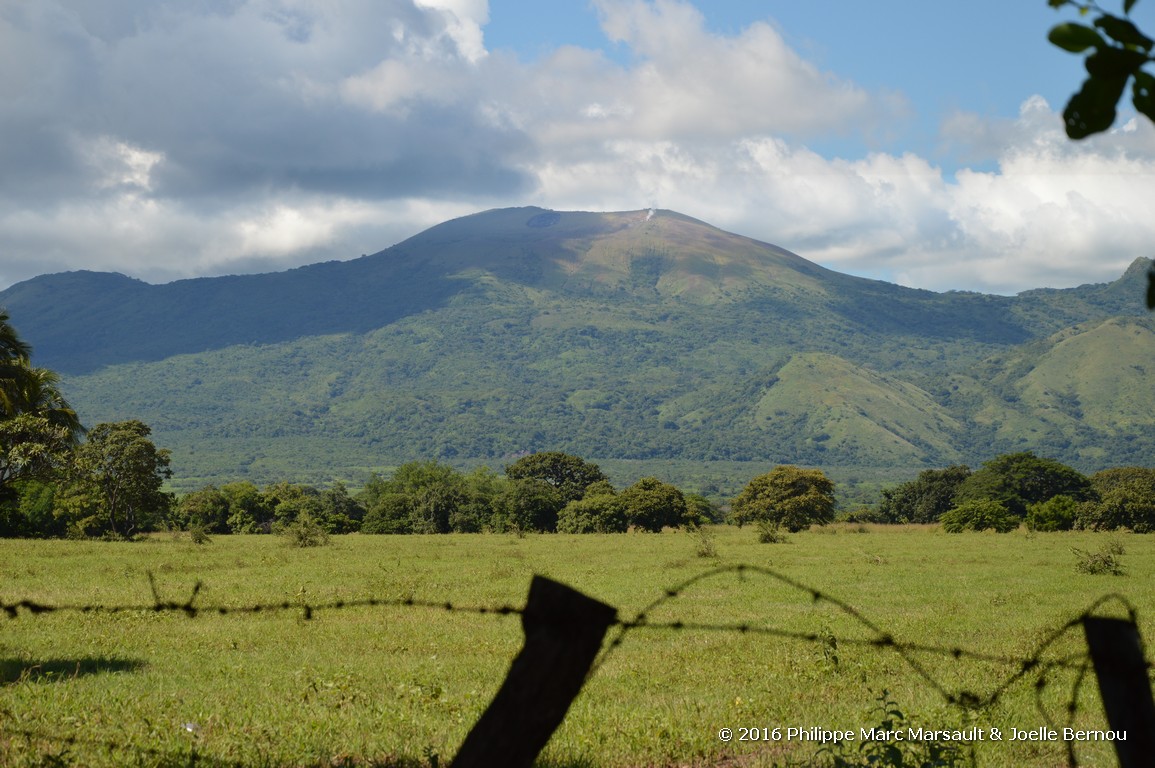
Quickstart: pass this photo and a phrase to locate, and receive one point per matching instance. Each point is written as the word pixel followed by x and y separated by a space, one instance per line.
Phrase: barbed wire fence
pixel 565 646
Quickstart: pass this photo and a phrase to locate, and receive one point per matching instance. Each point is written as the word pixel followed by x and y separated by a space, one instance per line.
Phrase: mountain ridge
pixel 640 335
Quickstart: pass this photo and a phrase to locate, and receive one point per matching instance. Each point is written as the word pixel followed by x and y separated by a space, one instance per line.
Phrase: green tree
pixel 115 481
pixel 339 512
pixel 38 428
pixel 29 511
pixel 433 495
pixel 436 505
pixel 11 345
pixel 249 511
pixel 599 511
pixel 206 509
pixel 570 475
pixel 479 509
pixel 14 356
pixel 37 391
pixel 528 505
pixel 389 512
pixel 786 496
pixel 1017 480
pixel 1126 499
pixel 288 501
pixel 924 499
pixel 32 447
pixel 700 510
pixel 332 510
pixel 651 505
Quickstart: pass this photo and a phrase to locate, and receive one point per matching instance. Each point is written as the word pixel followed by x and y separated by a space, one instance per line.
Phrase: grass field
pixel 403 685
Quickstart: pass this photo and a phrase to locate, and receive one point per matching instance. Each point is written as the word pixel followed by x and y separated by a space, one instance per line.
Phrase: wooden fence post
pixel 564 630
pixel 1117 653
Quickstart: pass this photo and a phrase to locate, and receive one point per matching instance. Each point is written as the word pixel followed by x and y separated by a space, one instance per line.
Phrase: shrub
pixel 769 532
pixel 892 749
pixel 198 534
pixel 304 532
pixel 1105 561
pixel 1054 514
pixel 602 513
pixel 864 514
pixel 704 544
pixel 979 515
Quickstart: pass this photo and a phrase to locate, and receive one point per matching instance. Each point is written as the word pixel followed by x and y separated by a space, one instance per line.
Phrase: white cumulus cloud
pixel 167 139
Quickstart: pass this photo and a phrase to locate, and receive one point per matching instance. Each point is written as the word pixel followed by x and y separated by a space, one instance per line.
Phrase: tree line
pixel 1023 489
pixel 542 492
pixel 114 490
pixel 58 479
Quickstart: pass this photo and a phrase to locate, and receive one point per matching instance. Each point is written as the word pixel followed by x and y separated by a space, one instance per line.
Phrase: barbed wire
pixel 641 621
pixel 192 611
pixel 879 639
pixel 1080 662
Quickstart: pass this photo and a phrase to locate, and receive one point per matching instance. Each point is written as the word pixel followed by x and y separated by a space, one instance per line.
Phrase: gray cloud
pixel 239 96
pixel 174 138
pixel 133 129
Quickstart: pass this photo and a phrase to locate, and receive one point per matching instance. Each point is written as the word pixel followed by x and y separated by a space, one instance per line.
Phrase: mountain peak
pixel 1138 269
pixel 655 251
pixel 640 334
pixel 80 321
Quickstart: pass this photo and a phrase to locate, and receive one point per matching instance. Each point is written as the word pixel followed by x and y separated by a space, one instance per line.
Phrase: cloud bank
pixel 172 138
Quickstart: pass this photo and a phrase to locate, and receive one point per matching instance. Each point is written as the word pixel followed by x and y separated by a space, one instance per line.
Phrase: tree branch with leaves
pixel 1116 52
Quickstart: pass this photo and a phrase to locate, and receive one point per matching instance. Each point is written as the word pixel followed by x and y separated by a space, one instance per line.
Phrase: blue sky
pixel 916 141
pixel 941 56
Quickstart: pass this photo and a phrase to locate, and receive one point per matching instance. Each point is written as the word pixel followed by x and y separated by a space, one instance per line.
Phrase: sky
pixel 914 141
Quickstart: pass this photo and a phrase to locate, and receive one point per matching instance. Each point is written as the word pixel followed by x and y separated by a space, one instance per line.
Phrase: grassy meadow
pixel 403 685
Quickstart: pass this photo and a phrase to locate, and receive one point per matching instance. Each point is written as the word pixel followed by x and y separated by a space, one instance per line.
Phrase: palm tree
pixel 24 389
pixel 37 425
pixel 11 346
pixel 39 394
pixel 14 357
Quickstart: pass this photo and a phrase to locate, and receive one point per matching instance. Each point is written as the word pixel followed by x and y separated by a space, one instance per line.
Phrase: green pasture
pixel 403 685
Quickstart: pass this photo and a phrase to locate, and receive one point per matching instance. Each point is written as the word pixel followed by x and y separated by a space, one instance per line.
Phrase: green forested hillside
pixel 639 337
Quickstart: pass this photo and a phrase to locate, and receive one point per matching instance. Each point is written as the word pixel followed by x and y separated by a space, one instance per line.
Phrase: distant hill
pixel 644 336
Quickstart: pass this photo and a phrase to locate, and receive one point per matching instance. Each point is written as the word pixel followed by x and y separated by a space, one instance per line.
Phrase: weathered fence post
pixel 1117 653
pixel 564 630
